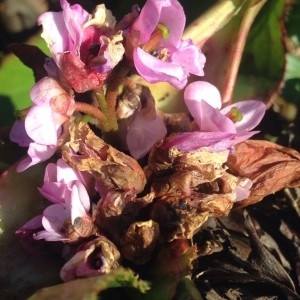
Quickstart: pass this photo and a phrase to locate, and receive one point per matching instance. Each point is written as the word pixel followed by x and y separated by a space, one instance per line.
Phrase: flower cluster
pixel 124 179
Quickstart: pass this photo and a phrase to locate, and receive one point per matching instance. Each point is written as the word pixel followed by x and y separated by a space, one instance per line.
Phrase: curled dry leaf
pixel 271 167
pixel 113 169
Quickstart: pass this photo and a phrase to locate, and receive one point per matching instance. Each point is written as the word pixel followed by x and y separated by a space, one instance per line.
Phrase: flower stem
pixel 90 110
pixel 238 48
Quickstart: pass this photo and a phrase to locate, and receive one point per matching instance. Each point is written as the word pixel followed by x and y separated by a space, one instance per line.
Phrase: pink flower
pixel 159 52
pixel 42 125
pixel 143 133
pixel 60 217
pixel 83 47
pixel 203 100
pixel 59 179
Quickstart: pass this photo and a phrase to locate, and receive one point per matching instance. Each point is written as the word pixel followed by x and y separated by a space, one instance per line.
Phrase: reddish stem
pixel 90 110
pixel 237 50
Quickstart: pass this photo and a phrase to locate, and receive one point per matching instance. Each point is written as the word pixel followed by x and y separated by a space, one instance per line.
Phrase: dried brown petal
pixel 139 241
pixel 271 168
pixel 111 168
pixel 117 211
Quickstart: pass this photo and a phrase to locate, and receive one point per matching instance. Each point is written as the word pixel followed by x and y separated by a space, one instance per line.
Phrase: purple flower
pixel 42 125
pixel 159 52
pixel 83 47
pixel 203 100
pixel 59 220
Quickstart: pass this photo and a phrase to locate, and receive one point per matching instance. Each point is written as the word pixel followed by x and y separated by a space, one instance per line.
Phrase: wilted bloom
pixel 70 220
pixel 99 256
pixel 42 125
pixel 159 52
pixel 190 186
pixel 83 47
pixel 203 100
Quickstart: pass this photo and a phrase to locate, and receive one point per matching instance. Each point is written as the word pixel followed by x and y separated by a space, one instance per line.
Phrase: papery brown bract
pixel 271 167
pixel 112 169
pixel 139 241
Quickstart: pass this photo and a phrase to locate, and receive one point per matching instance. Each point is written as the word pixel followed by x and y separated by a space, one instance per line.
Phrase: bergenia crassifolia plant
pixel 124 179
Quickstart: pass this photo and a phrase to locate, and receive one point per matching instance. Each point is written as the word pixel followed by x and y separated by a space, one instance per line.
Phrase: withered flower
pixel 191 186
pixel 96 257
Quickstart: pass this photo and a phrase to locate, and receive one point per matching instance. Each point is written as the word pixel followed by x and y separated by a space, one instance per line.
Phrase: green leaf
pixel 263 62
pixel 16 81
pixel 90 288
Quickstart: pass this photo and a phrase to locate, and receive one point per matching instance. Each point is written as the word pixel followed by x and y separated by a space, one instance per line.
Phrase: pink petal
pixel 243 189
pixel 36 154
pixel 154 70
pixel 19 135
pixel 189 56
pixel 252 111
pixel 55 32
pixel 243 136
pixel 40 126
pixel 143 134
pixel 154 12
pixel 45 90
pixel 202 90
pixel 49 236
pixel 54 218
pixel 34 223
pixel 50 173
pixel 75 17
pixel 65 173
pixel 54 191
pixel 79 202
pixel 190 141
pixel 212 119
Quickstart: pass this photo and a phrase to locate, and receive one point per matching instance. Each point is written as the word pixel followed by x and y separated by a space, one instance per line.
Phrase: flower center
pixel 235 115
pixel 161 32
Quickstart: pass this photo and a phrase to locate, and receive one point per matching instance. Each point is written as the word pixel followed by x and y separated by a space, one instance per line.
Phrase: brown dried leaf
pixel 271 167
pixel 113 169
